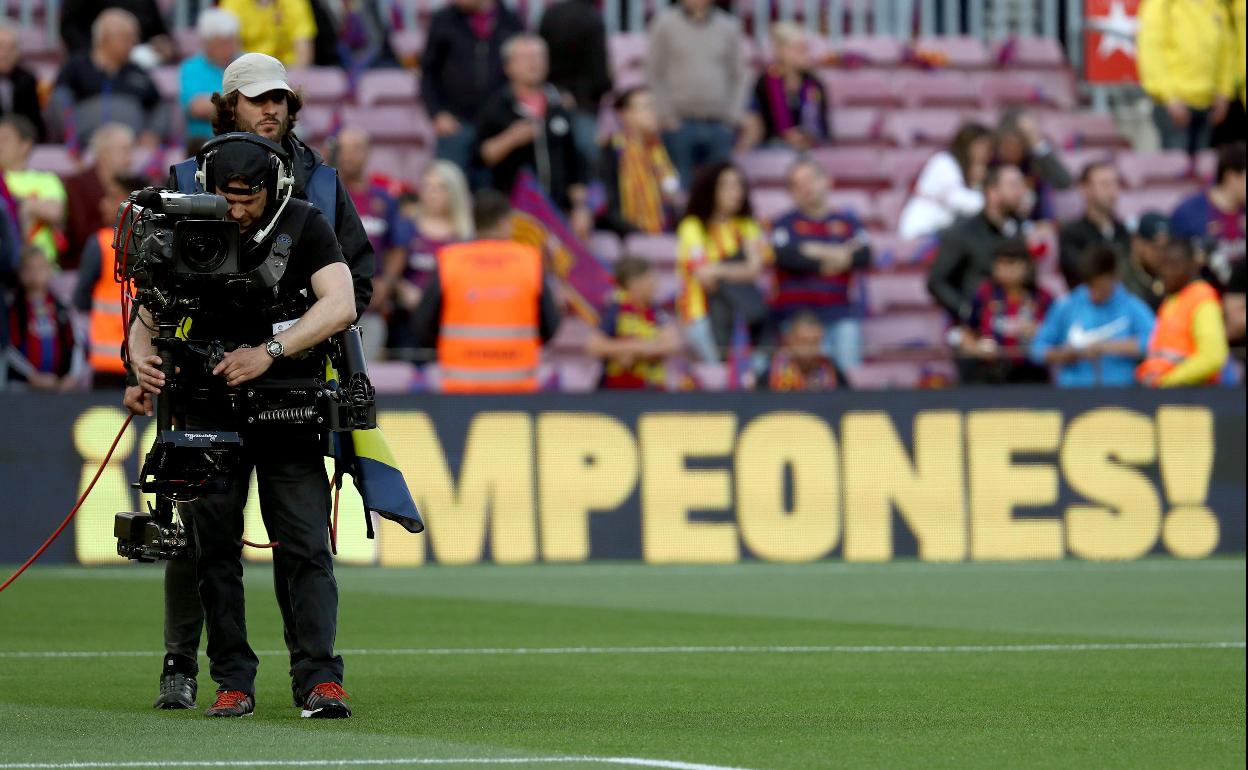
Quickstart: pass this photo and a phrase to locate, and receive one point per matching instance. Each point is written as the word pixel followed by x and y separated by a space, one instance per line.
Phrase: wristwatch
pixel 274 349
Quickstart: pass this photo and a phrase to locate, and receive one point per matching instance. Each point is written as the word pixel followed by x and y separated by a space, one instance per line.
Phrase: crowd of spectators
pixel 785 288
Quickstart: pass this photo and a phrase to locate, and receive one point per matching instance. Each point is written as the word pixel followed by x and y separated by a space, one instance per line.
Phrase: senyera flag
pixel 1109 50
pixel 586 280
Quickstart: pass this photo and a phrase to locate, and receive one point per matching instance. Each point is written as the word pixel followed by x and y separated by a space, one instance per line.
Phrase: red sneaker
pixel 232 703
pixel 326 701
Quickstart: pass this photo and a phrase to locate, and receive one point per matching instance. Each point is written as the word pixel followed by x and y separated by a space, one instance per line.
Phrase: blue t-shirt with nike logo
pixel 1078 322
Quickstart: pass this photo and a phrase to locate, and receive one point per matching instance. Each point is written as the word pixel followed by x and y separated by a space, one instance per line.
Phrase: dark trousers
pixel 294 502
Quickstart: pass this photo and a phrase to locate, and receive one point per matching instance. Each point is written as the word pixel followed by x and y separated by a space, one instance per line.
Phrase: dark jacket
pixel 1075 238
pixel 552 158
pixel 77 16
pixel 964 260
pixel 356 248
pixel 25 90
pixel 459 71
pixel 574 32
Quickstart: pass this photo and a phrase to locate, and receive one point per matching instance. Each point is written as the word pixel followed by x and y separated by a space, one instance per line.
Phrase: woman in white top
pixel 949 184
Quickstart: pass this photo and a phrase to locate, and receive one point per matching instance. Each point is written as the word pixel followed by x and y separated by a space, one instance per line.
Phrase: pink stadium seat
pixel 931 127
pixel 885 375
pixel 860 88
pixel 888 206
pixel 315 122
pixel 392 376
pixel 1076 160
pixel 1068 204
pixel 320 85
pixel 888 249
pixel 1206 165
pixel 34 45
pixel 167 82
pixel 876 50
pixel 900 334
pixel 853 167
pixel 627 51
pixel 905 163
pixel 856 125
pixel 54 158
pixel 1133 203
pixel 1040 89
pixel 188 41
pixel 605 245
pixel 391 124
pixel 1082 129
pixel 655 249
pixel 710 377
pixel 962 52
pixel 856 202
pixel 387 86
pixel 668 284
pixel 766 167
pixel 1143 169
pixel 572 336
pixel 938 89
pixel 408 44
pixel 770 205
pixel 1030 52
pixel 577 374
pixel 887 292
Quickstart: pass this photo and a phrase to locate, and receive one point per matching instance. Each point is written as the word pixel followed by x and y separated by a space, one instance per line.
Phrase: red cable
pixel 77 505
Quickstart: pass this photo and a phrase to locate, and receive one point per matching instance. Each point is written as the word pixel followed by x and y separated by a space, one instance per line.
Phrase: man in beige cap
pixel 256 97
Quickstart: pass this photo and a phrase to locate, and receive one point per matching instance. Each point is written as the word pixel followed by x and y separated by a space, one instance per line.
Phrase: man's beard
pixel 283 129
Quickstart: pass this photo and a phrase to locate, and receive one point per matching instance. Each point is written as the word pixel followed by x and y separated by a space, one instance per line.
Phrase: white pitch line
pixel 665 764
pixel 690 650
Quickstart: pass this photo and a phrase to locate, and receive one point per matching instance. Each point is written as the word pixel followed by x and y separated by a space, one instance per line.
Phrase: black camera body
pixel 178 253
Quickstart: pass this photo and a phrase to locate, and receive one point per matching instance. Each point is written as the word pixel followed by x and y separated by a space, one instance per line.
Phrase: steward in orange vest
pixel 107 331
pixel 1188 346
pixel 488 308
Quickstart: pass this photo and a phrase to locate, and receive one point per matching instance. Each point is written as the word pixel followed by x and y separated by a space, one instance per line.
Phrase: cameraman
pixel 256 98
pixel 288 460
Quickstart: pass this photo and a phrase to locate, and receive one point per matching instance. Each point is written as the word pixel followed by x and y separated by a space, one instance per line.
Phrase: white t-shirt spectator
pixel 941 195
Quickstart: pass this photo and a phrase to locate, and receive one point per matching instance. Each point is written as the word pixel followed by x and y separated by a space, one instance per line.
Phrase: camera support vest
pixel 491 298
pixel 107 322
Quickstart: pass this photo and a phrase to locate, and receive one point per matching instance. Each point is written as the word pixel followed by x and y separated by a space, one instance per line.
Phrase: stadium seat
pixel 392 376
pixel 1082 129
pixel 576 374
pixel 889 291
pixel 627 51
pixel 387 86
pixel 766 167
pixel 320 85
pixel 931 127
pixel 168 82
pixel 54 158
pixel 408 45
pixel 853 167
pixel 1030 52
pixel 710 377
pixel 655 249
pixel 1133 203
pixel 605 246
pixel 862 88
pixel 889 205
pixel 855 125
pixel 1077 159
pixel 938 89
pixel 1206 165
pixel 962 52
pixel 316 121
pixel 900 335
pixel 856 202
pixel 1037 89
pixel 392 124
pixel 905 163
pixel 1164 167
pixel 876 50
pixel 572 336
pixel 899 375
pixel 770 205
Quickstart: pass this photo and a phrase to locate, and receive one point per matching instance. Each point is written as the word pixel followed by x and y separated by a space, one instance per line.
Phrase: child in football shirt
pixel 635 336
pixel 1005 314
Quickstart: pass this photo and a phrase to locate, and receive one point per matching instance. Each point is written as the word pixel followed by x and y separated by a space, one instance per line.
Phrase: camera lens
pixel 204 253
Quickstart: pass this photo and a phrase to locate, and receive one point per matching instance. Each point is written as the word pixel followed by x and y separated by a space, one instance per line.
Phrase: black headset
pixel 281 174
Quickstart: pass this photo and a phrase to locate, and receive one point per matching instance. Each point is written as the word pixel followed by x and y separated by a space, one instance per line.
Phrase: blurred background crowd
pixel 782 200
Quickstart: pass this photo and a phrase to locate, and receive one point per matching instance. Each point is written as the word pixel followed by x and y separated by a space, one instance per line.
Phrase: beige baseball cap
pixel 253 74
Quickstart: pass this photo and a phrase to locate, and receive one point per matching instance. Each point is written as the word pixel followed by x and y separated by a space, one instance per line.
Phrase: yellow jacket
pixel 1241 46
pixel 1188 51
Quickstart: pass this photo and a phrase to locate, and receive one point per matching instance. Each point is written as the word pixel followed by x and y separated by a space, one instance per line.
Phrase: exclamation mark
pixel 1185 457
pixel 93 527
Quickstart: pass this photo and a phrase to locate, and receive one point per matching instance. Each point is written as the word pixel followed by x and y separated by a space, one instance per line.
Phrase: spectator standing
pixel 79 16
pixel 1215 218
pixel 112 151
pixel 40 196
pixel 283 29
pixel 1141 270
pixel 634 336
pixel 442 216
pixel 818 250
pixel 964 259
pixel 790 105
pixel 1099 184
pixel 42 352
pixel 1233 311
pixel 19 89
pixel 1188 345
pixel 575 29
pixel 494 346
pixel 1005 314
pixel 641 183
pixel 526 127
pixel 104 86
pixel 1187 63
pixel 461 69
pixel 1095 335
pixel 697 70
pixel 199 77
pixel 800 363
pixel 1020 143
pixel 721 256
pixel 97 293
pixel 950 184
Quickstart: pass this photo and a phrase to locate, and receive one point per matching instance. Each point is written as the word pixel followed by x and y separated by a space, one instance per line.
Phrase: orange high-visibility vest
pixel 107 323
pixel 491 298
pixel 1172 341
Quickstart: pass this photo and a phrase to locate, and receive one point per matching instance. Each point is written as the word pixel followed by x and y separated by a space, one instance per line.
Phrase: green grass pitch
pixel 757 666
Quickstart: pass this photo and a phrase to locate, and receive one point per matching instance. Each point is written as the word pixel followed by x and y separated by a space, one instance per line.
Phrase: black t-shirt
pixel 251 320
